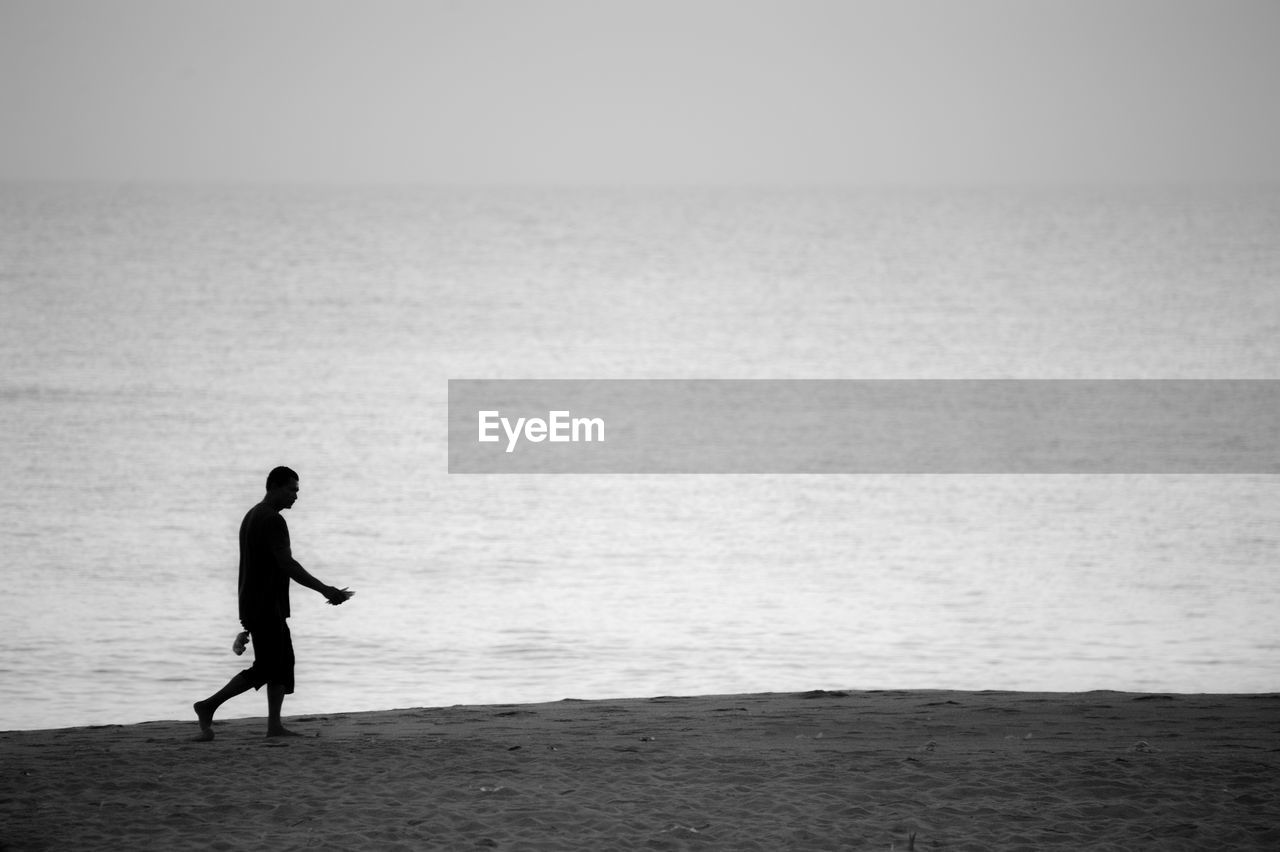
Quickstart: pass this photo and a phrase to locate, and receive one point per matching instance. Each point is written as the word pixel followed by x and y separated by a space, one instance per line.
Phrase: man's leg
pixel 205 709
pixel 275 701
pixel 281 682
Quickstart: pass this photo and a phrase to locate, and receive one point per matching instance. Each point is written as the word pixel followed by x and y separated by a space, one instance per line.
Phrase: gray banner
pixel 879 426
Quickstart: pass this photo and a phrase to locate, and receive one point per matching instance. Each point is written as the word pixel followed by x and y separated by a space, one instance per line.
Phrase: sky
pixel 667 91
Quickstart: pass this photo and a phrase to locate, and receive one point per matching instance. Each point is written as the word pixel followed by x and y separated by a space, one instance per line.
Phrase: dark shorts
pixel 272 656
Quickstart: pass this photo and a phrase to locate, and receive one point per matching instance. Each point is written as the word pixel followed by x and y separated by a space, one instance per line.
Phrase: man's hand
pixel 338 596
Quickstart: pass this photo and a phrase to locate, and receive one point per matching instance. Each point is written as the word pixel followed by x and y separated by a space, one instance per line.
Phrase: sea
pixel 164 346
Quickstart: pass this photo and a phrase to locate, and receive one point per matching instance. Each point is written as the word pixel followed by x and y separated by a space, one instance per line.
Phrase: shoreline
pixel 957 770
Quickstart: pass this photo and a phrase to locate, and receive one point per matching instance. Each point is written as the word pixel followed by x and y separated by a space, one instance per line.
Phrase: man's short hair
pixel 280 476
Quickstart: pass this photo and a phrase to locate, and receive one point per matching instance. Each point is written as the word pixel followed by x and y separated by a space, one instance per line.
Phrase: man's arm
pixel 300 575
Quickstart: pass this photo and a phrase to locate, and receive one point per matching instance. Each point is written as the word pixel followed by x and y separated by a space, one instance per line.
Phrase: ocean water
pixel 163 347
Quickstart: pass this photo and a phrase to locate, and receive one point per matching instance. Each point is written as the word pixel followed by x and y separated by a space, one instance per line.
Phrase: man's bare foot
pixel 282 732
pixel 206 722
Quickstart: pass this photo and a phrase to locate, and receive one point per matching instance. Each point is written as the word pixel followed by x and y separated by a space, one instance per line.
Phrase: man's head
pixel 282 487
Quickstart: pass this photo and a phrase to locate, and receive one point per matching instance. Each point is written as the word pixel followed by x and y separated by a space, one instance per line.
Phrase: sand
pixel 888 770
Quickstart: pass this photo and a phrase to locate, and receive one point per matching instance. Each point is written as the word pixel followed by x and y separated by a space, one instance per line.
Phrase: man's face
pixel 284 496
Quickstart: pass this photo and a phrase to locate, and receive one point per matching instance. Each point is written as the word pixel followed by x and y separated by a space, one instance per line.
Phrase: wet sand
pixel 886 770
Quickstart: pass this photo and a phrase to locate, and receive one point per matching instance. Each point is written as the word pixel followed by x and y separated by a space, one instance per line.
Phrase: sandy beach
pixel 883 770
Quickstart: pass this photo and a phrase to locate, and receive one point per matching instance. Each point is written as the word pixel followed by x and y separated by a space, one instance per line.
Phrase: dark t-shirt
pixel 264 576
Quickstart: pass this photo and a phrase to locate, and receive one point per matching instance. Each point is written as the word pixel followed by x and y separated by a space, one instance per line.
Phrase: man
pixel 266 567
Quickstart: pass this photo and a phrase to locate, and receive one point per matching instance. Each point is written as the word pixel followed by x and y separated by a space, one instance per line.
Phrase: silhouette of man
pixel 266 567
